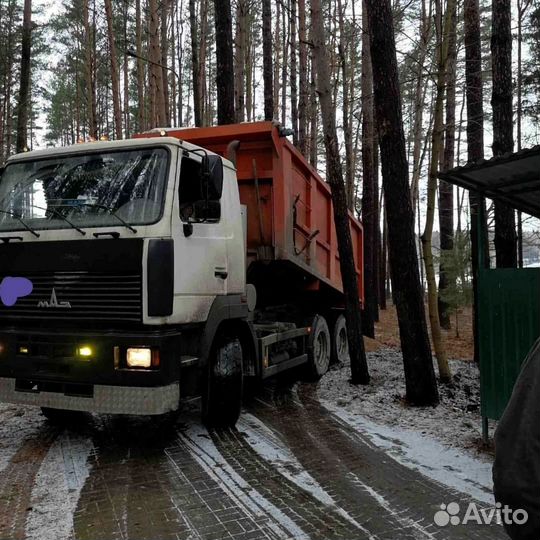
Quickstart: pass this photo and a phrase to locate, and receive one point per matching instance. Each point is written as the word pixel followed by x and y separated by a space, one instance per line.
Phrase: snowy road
pixel 291 470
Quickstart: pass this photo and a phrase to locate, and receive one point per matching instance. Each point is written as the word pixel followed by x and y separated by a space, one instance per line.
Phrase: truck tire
pixel 319 349
pixel 61 416
pixel 340 343
pixel 222 400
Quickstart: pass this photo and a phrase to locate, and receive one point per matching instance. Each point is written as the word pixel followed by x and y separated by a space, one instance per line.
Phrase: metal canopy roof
pixel 512 178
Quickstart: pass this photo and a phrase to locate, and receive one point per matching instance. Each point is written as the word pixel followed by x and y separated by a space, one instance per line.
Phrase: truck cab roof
pixel 107 146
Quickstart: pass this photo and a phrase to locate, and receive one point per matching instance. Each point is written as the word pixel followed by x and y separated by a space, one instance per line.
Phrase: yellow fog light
pixel 139 358
pixel 85 352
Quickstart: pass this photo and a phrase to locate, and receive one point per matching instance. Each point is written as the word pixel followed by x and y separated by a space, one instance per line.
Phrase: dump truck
pixel 139 274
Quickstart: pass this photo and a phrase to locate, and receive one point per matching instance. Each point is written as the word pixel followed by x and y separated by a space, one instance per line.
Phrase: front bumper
pixel 49 374
pixel 105 399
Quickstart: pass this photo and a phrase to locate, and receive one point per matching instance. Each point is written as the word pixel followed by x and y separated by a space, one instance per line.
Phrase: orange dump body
pixel 289 206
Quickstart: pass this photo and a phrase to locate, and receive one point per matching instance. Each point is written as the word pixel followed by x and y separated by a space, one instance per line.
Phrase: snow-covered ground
pixel 441 442
pixel 456 422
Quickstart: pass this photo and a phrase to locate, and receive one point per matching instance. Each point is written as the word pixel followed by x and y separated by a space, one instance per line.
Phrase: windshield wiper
pixel 102 207
pixel 25 225
pixel 58 214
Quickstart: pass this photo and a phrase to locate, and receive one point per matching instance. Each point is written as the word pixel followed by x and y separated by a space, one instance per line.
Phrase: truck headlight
pixel 139 358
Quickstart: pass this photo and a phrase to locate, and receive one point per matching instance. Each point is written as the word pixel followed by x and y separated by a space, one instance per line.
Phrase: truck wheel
pixel 223 398
pixel 61 416
pixel 319 348
pixel 340 343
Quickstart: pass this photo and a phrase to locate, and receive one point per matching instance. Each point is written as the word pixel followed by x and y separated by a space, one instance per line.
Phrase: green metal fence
pixel 508 325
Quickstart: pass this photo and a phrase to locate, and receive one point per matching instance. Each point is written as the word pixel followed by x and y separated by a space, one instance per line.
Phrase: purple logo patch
pixel 13 288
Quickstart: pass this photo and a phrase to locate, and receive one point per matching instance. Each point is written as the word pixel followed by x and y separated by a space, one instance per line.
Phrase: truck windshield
pixel 90 190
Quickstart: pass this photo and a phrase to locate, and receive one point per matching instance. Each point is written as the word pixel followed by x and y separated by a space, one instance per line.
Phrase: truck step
pixel 188 361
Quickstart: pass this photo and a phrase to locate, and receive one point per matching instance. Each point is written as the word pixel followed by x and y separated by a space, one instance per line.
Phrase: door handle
pixel 221 273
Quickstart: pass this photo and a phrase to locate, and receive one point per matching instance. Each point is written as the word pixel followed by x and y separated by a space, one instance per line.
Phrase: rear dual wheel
pixel 340 341
pixel 319 348
pixel 325 346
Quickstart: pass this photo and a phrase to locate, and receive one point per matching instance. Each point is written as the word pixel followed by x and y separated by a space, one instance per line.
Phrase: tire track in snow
pixel 102 505
pixel 317 519
pixel 407 493
pixel 17 479
pixel 406 521
pixel 448 466
pixel 272 521
pixel 128 493
pixel 57 488
pixel 17 425
pixel 270 447
pixel 330 455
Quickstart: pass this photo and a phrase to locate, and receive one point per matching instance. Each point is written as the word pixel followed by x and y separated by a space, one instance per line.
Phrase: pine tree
pixel 503 139
pixel 419 374
pixel 225 62
pixel 359 368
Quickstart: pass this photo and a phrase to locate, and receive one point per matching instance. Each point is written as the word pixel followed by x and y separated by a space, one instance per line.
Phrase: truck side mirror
pixel 212 177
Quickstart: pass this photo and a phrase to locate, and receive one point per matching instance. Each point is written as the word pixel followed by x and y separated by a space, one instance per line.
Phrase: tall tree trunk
pixel 208 71
pixel 178 14
pixel 359 368
pixel 446 190
pixel 304 85
pixel 127 118
pixel 381 302
pixel 522 6
pixel 115 80
pixel 141 109
pixel 203 61
pixel 278 60
pixel 225 62
pixel 8 116
pixel 419 374
pixel 23 107
pixel 284 62
pixel 250 82
pixel 157 99
pixel 475 135
pixel 164 45
pixel 383 288
pixel 240 43
pixel 313 110
pixel 419 101
pixel 268 68
pixel 89 68
pixel 294 72
pixel 347 125
pixel 503 138
pixel 195 65
pixel 443 36
pixel 369 196
pixel 176 80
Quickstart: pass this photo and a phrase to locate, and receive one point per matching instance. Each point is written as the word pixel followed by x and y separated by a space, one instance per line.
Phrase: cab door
pixel 201 268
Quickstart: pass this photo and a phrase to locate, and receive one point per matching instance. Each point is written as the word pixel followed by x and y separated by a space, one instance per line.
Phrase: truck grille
pixel 75 296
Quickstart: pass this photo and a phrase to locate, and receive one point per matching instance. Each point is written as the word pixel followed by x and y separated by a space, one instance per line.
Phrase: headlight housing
pixel 139 358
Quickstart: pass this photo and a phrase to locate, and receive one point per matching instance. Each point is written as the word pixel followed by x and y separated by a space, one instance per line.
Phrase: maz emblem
pixel 53 302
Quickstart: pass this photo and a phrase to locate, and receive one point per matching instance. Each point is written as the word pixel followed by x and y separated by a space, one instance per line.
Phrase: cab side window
pixel 194 205
pixel 190 181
